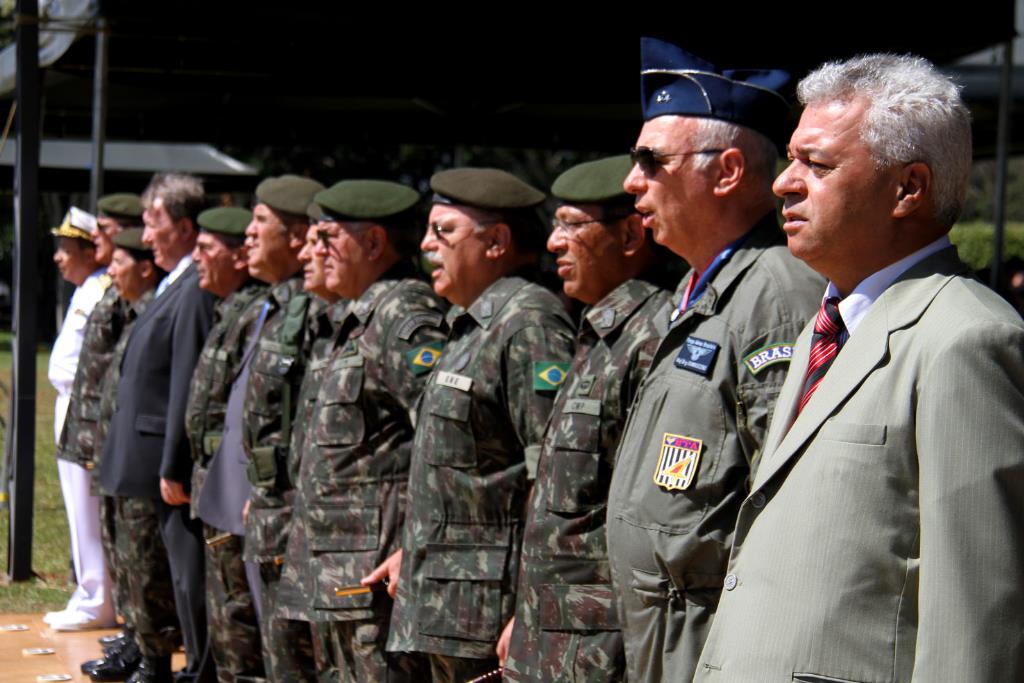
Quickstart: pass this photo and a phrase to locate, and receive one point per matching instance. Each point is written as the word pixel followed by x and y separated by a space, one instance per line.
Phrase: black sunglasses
pixel 650 159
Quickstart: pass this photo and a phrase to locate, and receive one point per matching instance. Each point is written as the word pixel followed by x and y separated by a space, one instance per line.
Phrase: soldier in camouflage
pixel 134 277
pixel 705 159
pixel 566 624
pixel 480 423
pixel 274 238
pixel 223 270
pixel 322 318
pixel 352 486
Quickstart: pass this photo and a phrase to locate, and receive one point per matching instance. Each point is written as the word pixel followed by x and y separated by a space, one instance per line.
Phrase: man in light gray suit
pixel 883 538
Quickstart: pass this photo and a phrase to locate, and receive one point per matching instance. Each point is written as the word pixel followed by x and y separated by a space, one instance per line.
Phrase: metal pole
pixel 99 114
pixel 1002 147
pixel 26 217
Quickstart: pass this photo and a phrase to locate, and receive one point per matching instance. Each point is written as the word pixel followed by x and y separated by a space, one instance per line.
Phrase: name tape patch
pixel 450 379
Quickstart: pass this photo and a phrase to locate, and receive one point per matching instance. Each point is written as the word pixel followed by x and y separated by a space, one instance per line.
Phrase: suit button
pixel 730 582
pixel 758 500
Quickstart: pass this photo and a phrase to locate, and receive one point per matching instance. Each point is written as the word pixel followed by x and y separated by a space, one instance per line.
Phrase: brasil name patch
pixel 768 355
pixel 423 358
pixel 678 461
pixel 548 375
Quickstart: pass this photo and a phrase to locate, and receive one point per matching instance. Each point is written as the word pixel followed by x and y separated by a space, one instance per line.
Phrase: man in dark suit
pixel 146 457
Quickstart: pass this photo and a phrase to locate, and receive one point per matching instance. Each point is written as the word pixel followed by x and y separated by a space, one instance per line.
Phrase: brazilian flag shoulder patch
pixel 548 375
pixel 423 358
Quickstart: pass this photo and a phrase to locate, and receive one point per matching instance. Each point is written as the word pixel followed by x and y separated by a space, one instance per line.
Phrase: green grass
pixel 50 549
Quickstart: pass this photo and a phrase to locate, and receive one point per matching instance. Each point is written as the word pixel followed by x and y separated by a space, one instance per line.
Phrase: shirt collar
pixel 855 306
pixel 180 268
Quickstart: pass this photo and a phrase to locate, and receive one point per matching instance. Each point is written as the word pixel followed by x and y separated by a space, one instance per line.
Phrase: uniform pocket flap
pixel 337 527
pixel 150 424
pixel 872 435
pixel 465 562
pixel 342 385
pixel 335 584
pixel 266 532
pixel 578 608
pixel 452 404
pixel 578 431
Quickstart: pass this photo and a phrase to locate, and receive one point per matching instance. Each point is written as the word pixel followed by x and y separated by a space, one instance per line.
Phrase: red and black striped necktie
pixel 828 327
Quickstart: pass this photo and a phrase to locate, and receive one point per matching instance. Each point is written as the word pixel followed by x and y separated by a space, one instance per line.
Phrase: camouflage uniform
pixel 102 330
pixel 230 614
pixel 131 527
pixel 351 490
pixel 323 321
pixel 692 439
pixel 567 626
pixel 271 399
pixel 479 429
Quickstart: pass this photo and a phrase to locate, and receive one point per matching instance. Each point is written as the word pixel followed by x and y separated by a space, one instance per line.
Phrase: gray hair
pixel 914 114
pixel 759 152
pixel 182 194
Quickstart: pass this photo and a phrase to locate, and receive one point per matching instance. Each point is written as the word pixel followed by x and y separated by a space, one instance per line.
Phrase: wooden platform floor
pixel 71 649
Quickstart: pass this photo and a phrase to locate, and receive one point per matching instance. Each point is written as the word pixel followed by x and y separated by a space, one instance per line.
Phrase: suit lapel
pixel 899 306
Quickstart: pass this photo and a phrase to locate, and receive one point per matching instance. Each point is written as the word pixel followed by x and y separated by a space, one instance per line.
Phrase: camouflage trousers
pixel 140 552
pixel 571 637
pixel 230 613
pixel 287 644
pixel 360 656
pixel 446 669
pixel 108 535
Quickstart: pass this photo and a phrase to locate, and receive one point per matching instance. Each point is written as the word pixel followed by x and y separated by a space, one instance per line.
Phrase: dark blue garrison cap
pixel 672 81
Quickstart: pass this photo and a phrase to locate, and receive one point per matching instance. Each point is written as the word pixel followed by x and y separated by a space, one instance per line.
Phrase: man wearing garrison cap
pixel 351 488
pixel 566 625
pixel 219 487
pixel 479 425
pixel 704 163
pixel 146 457
pixel 134 277
pixel 273 378
pixel 77 259
pixel 292 591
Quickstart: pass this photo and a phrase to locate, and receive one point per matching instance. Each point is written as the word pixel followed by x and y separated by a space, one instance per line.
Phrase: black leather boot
pixel 152 670
pixel 116 667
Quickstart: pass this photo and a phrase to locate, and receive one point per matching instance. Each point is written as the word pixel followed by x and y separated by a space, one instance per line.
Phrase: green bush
pixel 974 242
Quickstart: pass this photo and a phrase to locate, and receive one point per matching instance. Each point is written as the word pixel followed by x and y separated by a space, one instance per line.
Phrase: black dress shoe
pixel 90 664
pixel 116 668
pixel 111 638
pixel 152 670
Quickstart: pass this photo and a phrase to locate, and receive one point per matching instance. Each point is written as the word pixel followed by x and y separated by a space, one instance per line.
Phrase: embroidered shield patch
pixel 677 464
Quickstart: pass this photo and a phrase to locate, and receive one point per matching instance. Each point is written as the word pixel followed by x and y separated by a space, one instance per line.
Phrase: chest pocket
pixel 339 420
pixel 452 442
pixel 573 470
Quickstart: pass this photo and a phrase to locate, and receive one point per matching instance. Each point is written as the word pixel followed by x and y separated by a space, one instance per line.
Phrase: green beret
pixel 123 205
pixel 359 200
pixel 483 188
pixel 225 220
pixel 288 193
pixel 594 182
pixel 131 239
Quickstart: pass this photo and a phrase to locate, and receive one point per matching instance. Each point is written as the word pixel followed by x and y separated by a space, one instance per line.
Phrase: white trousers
pixel 92 598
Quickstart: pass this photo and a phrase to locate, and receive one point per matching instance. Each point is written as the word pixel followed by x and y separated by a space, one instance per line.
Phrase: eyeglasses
pixel 572 227
pixel 442 232
pixel 650 159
